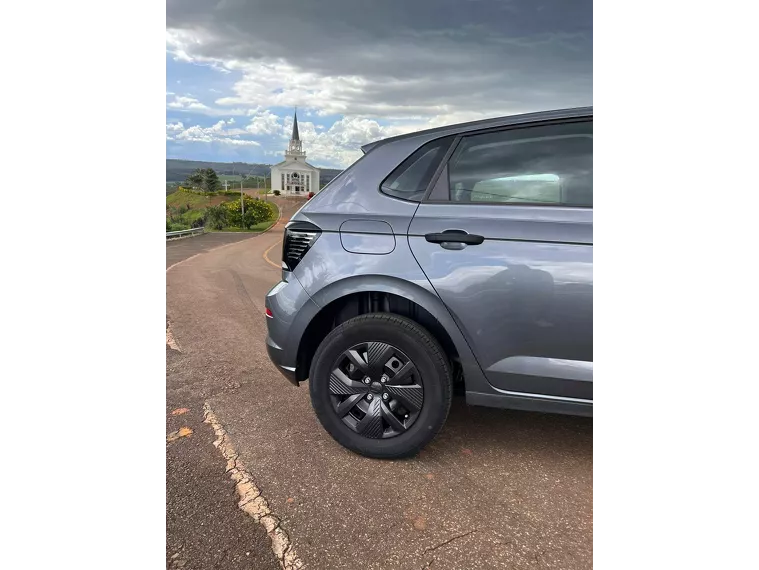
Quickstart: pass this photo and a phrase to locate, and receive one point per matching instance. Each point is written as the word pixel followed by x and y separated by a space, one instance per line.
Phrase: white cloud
pixel 279 84
pixel 384 68
pixel 217 133
pixel 186 103
pixel 264 123
pixel 340 145
pixel 500 58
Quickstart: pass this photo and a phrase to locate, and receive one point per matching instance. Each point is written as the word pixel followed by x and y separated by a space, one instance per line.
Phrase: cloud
pixel 185 103
pixel 217 133
pixel 383 68
pixel 264 123
pixel 340 145
pixel 393 59
pixel 337 146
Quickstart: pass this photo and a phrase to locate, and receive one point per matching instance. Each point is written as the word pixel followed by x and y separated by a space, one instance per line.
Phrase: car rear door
pixel 505 237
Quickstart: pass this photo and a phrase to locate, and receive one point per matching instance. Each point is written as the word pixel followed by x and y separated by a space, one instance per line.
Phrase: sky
pixel 362 70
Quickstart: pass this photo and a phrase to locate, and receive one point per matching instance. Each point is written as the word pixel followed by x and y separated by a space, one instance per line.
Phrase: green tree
pixel 211 181
pixel 196 179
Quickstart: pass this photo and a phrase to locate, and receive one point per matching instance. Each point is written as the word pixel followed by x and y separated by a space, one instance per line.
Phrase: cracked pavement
pixel 495 489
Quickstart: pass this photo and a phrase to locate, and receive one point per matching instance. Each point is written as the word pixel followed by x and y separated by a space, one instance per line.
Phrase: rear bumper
pixel 291 310
pixel 276 355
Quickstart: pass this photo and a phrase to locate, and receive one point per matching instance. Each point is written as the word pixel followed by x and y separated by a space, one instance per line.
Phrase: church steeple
pixel 295 149
pixel 295 136
pixel 294 176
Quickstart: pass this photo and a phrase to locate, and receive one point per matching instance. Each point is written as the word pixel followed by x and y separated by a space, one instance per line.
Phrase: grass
pixel 192 216
pixel 196 201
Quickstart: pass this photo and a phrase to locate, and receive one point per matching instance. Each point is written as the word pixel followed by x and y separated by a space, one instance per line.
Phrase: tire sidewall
pixel 432 372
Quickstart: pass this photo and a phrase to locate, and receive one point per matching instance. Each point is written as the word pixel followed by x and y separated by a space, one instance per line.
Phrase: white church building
pixel 294 176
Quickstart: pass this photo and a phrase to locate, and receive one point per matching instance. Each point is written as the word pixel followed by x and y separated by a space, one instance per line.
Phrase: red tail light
pixel 269 313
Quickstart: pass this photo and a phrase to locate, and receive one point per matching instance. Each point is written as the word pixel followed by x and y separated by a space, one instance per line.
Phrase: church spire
pixel 295 148
pixel 295 136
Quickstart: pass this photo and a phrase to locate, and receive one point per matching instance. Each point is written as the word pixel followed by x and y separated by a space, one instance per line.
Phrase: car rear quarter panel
pixel 333 273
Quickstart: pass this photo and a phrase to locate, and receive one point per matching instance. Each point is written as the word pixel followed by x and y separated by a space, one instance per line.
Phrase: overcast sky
pixel 360 70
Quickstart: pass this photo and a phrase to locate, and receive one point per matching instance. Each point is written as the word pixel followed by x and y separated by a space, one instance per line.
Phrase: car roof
pixel 487 123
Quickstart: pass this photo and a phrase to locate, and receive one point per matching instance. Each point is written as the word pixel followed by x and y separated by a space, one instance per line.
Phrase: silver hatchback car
pixel 457 255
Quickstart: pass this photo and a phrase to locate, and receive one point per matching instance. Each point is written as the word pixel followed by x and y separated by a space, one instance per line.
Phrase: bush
pixel 277 192
pixel 194 218
pixel 182 217
pixel 176 226
pixel 216 216
pixel 174 219
pixel 256 211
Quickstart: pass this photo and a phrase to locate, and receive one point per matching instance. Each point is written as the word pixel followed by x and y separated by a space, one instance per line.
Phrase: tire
pixel 429 370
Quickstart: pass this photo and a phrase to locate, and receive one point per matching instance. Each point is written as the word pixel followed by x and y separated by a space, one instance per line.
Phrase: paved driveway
pixel 495 489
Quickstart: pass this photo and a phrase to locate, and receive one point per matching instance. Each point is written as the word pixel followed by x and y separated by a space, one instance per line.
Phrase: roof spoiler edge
pixel 369 146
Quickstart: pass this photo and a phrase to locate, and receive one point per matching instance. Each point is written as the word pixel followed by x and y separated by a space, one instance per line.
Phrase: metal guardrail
pixel 182 233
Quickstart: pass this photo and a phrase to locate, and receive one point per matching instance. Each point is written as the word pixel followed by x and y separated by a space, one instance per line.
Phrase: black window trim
pixel 457 141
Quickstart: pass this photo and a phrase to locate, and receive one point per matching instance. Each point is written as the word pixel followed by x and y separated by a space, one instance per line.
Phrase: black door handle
pixel 454 236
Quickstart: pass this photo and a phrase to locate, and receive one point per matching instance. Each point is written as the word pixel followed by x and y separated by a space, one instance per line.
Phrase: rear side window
pixel 409 181
pixel 551 165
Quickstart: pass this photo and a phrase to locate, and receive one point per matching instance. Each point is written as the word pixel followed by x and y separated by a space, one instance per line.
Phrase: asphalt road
pixel 495 489
pixel 180 249
pixel 204 527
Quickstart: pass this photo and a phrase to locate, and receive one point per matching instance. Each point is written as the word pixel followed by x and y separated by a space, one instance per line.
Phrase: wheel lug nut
pixel 369 397
pixel 384 378
pixel 367 380
pixel 386 396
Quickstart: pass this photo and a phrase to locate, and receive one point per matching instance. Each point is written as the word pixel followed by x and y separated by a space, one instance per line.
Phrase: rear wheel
pixel 381 385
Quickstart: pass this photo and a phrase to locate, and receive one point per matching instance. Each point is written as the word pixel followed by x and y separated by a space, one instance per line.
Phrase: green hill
pixel 178 170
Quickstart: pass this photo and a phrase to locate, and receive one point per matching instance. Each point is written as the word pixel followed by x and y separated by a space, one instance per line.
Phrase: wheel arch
pixel 358 295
